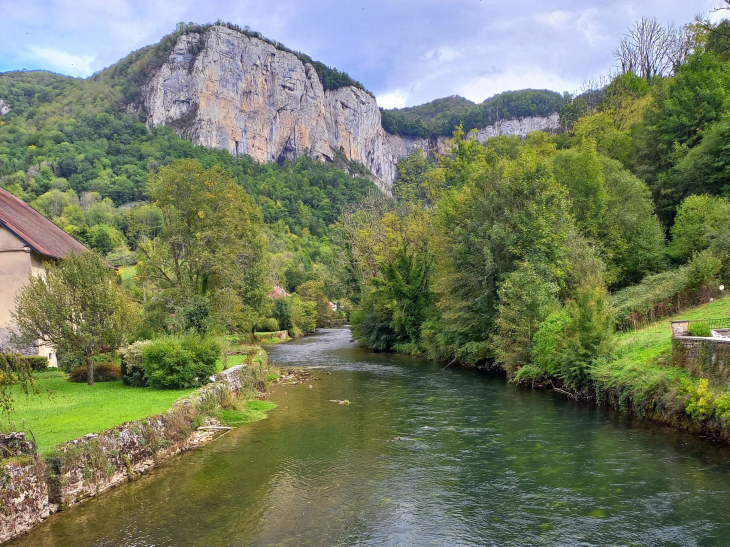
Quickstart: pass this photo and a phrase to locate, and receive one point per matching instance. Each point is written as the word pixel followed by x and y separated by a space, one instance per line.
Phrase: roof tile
pixel 37 231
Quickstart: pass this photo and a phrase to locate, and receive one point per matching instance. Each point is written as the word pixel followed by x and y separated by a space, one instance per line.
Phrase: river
pixel 423 455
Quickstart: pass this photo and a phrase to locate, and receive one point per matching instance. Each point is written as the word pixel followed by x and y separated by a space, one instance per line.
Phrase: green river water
pixel 479 462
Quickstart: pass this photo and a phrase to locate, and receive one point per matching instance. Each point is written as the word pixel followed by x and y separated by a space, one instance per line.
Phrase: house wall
pixel 16 267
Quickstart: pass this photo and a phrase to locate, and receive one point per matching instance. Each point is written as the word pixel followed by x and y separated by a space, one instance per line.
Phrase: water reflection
pixel 422 456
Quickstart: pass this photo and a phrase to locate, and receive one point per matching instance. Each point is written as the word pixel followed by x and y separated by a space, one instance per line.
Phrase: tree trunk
pixel 90 369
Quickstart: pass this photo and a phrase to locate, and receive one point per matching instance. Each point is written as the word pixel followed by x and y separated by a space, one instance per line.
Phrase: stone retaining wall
pixel 23 495
pixel 704 357
pixel 31 489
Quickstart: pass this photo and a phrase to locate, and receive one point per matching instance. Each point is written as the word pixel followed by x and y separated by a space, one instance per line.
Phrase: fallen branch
pixel 565 393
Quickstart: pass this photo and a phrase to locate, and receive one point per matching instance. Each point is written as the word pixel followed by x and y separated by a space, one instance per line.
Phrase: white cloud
pixel 75 65
pixel 462 47
pixel 483 87
pixel 393 99
pixel 558 19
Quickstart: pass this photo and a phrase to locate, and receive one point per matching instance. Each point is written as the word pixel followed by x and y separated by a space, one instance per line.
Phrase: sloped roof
pixel 39 233
pixel 278 292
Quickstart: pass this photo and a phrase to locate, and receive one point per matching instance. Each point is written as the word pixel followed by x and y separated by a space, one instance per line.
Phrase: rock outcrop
pixel 244 95
pixel 520 126
pixel 4 107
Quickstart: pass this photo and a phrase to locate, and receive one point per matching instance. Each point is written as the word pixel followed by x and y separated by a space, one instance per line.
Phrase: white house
pixel 28 241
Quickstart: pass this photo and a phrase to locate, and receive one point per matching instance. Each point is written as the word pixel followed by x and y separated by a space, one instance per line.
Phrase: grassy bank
pixel 65 410
pixel 642 379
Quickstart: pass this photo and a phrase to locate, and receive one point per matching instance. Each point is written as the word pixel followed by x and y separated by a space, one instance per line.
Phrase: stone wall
pixel 23 495
pixel 704 357
pixel 31 489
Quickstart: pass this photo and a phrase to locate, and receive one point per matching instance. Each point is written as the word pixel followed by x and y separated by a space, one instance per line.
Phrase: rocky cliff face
pixel 248 97
pixel 4 107
pixel 520 126
pixel 244 95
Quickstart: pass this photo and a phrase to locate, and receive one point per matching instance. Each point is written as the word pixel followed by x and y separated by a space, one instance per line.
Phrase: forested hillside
pixel 441 116
pixel 68 148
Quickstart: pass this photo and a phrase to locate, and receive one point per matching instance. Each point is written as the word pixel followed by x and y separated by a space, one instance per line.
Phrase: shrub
pixel 700 329
pixel 180 362
pixel 666 293
pixel 270 324
pixel 103 372
pixel 283 313
pixel 132 364
pixel 36 363
pixel 547 343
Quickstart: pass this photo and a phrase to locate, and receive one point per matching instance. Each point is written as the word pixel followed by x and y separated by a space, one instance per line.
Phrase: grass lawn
pixel 65 410
pixel 253 411
pixel 641 363
pixel 653 341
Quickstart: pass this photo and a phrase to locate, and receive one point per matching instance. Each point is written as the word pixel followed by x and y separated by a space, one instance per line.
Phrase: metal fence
pixel 704 327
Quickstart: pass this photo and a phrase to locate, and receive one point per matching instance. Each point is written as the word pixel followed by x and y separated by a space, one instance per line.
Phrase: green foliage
pixel 313 291
pixel 389 250
pixel 699 329
pixel 587 333
pixel 547 346
pixel 78 307
pixel 132 364
pixel 507 212
pixel 179 362
pixel 702 169
pixel 103 372
pixel 35 363
pixel 283 313
pixel 269 324
pixel 304 315
pixel 662 294
pixel 208 259
pixel 614 209
pixel 526 298
pixel 15 379
pixel 683 108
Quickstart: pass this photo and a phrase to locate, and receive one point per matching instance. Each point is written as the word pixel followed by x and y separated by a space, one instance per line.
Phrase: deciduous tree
pixel 78 307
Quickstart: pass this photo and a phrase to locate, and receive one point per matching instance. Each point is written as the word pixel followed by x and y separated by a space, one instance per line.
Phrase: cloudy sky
pixel 406 51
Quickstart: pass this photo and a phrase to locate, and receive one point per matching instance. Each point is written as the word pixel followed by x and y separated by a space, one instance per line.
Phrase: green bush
pixel 270 324
pixel 666 293
pixel 36 363
pixel 180 362
pixel 103 372
pixel 700 329
pixel 132 365
pixel 548 342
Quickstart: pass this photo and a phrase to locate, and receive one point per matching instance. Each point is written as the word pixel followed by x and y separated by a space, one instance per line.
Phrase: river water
pixel 422 456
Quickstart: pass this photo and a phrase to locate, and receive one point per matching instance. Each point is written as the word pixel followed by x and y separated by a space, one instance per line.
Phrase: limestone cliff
pixel 244 95
pixel 520 126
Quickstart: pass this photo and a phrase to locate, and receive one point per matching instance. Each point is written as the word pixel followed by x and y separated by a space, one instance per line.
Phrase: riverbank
pixel 472 459
pixel 642 379
pixel 34 486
